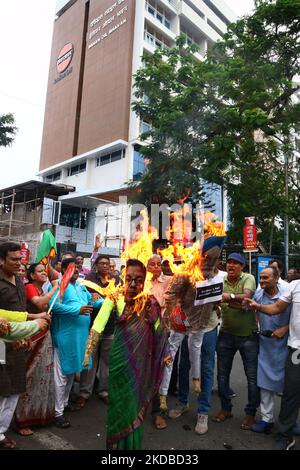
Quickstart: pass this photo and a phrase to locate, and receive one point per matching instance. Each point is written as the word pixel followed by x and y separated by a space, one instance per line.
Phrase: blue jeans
pixel 208 351
pixel 247 346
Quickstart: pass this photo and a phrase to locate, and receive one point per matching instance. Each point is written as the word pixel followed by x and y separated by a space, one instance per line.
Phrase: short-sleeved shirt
pixel 291 295
pixel 239 322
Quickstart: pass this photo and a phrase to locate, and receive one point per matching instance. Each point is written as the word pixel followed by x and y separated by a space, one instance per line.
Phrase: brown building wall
pixel 61 102
pixel 106 85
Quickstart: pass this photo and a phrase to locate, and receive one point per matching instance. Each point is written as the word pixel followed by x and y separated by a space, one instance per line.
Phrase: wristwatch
pixel 232 296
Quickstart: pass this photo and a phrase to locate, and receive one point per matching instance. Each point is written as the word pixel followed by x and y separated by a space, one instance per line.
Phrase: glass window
pixel 116 156
pixel 70 216
pixel 105 160
pixel 145 127
pixel 151 10
pixel 159 17
pixel 138 164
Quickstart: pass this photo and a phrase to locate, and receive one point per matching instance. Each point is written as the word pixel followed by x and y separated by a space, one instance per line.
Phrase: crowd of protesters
pixel 46 354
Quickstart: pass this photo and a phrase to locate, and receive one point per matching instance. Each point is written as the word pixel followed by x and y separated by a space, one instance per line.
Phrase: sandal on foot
pixel 247 422
pixel 24 431
pixel 159 422
pixel 7 443
pixel 222 416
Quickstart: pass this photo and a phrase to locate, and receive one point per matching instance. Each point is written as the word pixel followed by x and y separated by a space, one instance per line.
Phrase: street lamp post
pixel 286 217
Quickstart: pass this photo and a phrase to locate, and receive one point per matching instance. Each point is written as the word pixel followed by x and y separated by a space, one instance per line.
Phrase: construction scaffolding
pixel 21 208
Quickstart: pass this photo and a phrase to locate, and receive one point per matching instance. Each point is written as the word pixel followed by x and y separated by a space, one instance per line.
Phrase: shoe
pixel 202 424
pixel 248 422
pixel 284 443
pixel 62 422
pixel 73 407
pixel 296 430
pixel 262 427
pixel 179 410
pixel 232 393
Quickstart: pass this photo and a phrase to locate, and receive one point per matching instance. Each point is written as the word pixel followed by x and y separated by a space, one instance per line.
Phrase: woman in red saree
pixel 36 406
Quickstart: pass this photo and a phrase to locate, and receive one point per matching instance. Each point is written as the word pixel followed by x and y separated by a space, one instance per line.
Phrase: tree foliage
pixel 7 129
pixel 228 119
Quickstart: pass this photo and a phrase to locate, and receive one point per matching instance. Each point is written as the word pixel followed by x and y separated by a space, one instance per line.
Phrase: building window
pixel 145 127
pixel 53 177
pixel 139 165
pixel 110 157
pixel 160 14
pixel 154 38
pixel 75 170
pixel 74 217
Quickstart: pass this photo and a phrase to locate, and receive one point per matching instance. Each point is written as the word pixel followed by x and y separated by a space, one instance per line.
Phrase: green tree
pixel 7 129
pixel 228 119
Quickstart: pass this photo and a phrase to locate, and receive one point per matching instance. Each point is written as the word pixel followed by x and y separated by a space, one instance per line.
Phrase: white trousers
pixel 62 386
pixel 195 343
pixel 267 405
pixel 7 409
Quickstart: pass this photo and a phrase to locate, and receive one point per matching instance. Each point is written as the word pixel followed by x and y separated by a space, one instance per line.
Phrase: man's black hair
pixel 65 263
pixel 8 246
pixel 136 262
pixel 68 253
pixel 101 257
pixel 279 263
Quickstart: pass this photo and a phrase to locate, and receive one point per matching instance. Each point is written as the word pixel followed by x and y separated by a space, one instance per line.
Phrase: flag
pixel 47 249
pixel 66 279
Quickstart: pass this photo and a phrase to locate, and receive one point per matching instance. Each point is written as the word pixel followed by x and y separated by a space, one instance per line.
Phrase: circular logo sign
pixel 65 57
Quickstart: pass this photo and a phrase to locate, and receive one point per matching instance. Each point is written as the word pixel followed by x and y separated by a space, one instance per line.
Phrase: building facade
pixel 91 136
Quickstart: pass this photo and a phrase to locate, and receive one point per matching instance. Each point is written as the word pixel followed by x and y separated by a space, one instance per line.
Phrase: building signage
pixel 65 57
pixel 250 235
pixel 109 21
pixel 63 62
pixel 25 253
pixel 262 263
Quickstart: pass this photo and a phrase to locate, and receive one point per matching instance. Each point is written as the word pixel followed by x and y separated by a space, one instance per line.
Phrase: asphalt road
pixel 88 428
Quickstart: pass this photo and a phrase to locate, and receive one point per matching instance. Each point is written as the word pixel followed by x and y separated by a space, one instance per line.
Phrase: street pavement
pixel 88 427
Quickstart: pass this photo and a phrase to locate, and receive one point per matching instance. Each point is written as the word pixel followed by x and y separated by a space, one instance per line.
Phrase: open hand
pixel 5 328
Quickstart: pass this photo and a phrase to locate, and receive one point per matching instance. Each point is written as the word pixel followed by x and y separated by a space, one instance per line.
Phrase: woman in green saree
pixel 138 356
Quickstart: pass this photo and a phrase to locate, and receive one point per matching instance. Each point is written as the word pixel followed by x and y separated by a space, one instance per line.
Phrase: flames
pixel 141 245
pixel 183 255
pixel 188 259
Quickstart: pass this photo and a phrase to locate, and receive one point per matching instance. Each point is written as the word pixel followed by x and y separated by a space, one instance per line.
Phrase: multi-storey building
pixel 91 136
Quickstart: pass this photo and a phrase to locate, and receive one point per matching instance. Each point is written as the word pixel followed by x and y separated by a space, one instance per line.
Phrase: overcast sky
pixel 25 44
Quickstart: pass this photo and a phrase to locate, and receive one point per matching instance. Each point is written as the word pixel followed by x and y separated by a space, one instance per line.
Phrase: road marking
pixel 52 441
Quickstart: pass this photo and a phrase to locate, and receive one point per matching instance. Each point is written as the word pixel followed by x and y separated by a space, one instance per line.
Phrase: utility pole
pixel 286 217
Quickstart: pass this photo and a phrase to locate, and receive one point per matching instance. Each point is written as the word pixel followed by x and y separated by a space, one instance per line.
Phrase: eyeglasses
pixel 103 264
pixel 135 280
